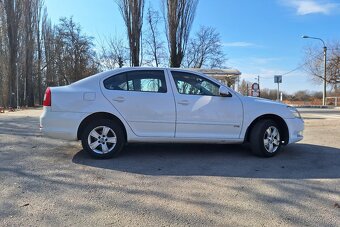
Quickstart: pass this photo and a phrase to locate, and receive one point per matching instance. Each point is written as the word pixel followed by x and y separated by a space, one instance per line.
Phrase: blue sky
pixel 260 37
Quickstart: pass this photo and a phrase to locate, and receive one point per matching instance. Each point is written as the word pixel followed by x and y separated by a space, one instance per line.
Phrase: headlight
pixel 294 112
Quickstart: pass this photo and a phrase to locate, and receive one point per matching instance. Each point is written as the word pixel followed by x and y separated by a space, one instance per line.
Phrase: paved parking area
pixel 52 182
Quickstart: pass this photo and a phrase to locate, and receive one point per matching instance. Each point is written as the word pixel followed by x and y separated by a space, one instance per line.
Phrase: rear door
pixel 202 112
pixel 144 98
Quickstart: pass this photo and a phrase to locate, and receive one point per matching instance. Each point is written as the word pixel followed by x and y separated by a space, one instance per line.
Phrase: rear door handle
pixel 184 102
pixel 119 99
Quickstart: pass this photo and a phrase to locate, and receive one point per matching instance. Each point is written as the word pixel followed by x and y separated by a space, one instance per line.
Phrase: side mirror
pixel 224 92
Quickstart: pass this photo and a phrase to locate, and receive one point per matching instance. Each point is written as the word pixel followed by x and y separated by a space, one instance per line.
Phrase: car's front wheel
pixel 103 139
pixel 265 138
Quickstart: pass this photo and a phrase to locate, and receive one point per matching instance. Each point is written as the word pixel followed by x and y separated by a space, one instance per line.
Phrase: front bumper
pixel 60 125
pixel 295 128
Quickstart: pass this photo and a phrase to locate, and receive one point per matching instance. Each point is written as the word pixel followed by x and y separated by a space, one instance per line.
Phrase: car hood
pixel 261 106
pixel 263 101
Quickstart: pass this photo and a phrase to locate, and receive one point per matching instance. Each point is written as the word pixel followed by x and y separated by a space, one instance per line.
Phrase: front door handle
pixel 184 102
pixel 119 99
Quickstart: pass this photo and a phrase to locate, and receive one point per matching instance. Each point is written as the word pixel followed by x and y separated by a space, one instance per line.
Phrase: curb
pixel 316 107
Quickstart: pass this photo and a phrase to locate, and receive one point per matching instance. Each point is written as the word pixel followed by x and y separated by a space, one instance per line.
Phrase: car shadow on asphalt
pixel 296 161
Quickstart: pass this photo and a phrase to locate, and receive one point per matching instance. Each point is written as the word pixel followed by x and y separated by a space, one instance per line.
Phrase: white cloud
pixel 304 7
pixel 238 44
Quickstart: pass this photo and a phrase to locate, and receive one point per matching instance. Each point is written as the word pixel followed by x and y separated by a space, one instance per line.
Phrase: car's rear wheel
pixel 265 138
pixel 103 139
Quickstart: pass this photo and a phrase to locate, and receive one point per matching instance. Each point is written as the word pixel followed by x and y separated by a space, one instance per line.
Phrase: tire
pixel 103 139
pixel 265 138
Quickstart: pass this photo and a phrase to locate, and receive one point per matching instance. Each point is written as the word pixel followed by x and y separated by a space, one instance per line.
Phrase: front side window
pixel 143 81
pixel 191 84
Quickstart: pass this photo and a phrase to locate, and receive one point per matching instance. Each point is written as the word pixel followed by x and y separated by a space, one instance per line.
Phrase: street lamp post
pixel 325 67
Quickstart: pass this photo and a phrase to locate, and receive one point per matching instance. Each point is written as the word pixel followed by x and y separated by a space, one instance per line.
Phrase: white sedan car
pixel 107 110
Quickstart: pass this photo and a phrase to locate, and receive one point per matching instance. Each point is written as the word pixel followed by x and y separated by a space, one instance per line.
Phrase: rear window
pixel 142 81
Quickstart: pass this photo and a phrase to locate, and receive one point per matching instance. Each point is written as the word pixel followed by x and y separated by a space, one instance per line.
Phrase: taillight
pixel 47 97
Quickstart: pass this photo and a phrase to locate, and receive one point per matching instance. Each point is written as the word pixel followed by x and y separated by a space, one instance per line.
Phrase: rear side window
pixel 143 81
pixel 117 82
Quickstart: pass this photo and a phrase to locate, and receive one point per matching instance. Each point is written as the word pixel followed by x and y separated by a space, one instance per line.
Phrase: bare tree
pixel 20 43
pixel 48 33
pixel 154 46
pixel 35 54
pixel 205 49
pixel 132 13
pixel 179 16
pixel 314 64
pixel 75 56
pixel 333 66
pixel 244 87
pixel 271 94
pixel 113 53
pixel 13 12
pixel 30 18
pixel 3 57
pixel 39 49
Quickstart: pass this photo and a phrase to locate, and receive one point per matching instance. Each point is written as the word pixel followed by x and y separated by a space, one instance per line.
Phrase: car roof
pixel 101 75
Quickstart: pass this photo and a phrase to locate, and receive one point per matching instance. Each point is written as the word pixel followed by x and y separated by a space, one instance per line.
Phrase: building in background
pixel 230 77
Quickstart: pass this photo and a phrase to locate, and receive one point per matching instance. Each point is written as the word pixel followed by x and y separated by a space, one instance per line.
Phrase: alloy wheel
pixel 271 139
pixel 102 139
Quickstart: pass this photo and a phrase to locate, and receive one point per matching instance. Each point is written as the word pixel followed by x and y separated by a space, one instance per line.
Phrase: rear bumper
pixel 295 128
pixel 60 125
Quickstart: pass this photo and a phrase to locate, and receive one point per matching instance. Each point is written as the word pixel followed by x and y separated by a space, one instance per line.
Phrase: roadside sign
pixel 255 93
pixel 255 86
pixel 255 90
pixel 278 79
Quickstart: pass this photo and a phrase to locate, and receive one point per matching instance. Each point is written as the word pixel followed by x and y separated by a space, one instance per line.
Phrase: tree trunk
pixel 13 14
pixel 29 43
pixel 39 53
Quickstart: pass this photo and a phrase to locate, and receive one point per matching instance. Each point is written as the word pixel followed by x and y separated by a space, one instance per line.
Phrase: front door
pixel 202 112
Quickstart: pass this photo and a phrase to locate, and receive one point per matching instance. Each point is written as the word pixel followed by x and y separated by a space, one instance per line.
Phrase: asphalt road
pixel 317 113
pixel 334 111
pixel 53 182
